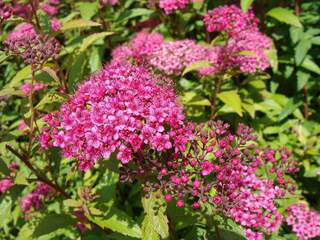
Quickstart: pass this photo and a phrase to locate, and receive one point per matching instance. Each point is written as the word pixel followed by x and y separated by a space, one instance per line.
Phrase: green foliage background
pixel 282 105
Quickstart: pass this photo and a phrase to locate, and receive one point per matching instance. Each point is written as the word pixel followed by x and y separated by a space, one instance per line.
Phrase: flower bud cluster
pixel 304 222
pixel 33 48
pixel 34 199
pixel 220 168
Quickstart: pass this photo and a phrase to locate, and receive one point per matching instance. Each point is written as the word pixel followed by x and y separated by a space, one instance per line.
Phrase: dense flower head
pixel 305 223
pixel 246 51
pixel 26 87
pixel 220 167
pixel 173 57
pixel 140 48
pixel 230 19
pixel 34 199
pixel 121 109
pixel 33 48
pixel 48 8
pixel 170 6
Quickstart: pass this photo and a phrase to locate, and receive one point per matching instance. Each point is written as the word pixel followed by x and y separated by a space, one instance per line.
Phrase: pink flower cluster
pixel 170 6
pixel 173 57
pixel 121 109
pixel 5 10
pixel 7 182
pixel 26 87
pixel 305 222
pixel 244 51
pixel 109 2
pixel 245 44
pixel 34 199
pixel 140 48
pixel 230 19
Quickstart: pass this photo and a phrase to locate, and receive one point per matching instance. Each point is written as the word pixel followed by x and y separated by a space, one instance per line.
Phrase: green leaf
pixel 21 75
pixel 132 13
pixel 53 222
pixel 193 99
pixel 296 33
pixel 232 100
pixel 273 57
pixel 5 212
pixel 302 79
pixel 155 220
pixel 302 49
pixel 78 23
pixel 77 71
pixel 196 66
pixel 72 203
pixel 92 39
pixel 245 4
pixel 315 41
pixel 95 60
pixel 310 65
pixel 148 232
pixel 45 22
pixel 118 221
pixel 284 15
pixel 288 109
pixel 3 167
pixel 20 179
pixel 52 100
pixel 88 9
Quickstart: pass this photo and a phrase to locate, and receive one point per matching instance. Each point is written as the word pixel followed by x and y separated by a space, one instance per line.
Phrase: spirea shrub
pixel 158 119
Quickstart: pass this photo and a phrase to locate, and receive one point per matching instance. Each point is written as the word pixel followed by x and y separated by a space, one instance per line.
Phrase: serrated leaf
pixel 78 23
pixel 118 221
pixel 53 222
pixel 232 100
pixel 132 13
pixel 196 66
pixel 92 39
pixel 245 5
pixel 155 209
pixel 310 65
pixel 284 15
